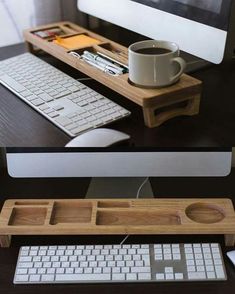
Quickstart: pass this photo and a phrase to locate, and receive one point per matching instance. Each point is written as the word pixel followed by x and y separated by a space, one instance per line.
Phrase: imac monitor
pixel 118 173
pixel 203 28
pixel 73 162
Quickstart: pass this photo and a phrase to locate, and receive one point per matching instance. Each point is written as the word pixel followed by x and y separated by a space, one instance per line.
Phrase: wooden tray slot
pixel 137 218
pixel 80 62
pixel 72 213
pixel 28 216
pixel 64 32
pixel 69 29
pixel 111 53
pixel 115 49
pixel 113 204
pixel 31 203
pixel 73 35
pixel 81 50
pixel 205 213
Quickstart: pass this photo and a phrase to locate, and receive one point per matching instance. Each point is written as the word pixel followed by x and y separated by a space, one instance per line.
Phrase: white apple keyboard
pixel 120 263
pixel 67 103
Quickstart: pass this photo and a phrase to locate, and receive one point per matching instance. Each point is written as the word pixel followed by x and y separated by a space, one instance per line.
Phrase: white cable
pixel 137 197
pixel 141 187
pixel 124 240
pixel 8 11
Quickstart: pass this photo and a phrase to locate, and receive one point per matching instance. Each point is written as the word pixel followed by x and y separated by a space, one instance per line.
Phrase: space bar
pixel 82 277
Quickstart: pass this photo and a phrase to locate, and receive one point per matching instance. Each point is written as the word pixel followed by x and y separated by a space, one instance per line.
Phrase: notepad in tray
pixel 76 42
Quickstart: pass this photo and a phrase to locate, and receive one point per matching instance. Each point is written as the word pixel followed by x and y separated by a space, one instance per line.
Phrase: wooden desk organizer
pixel 159 105
pixel 110 217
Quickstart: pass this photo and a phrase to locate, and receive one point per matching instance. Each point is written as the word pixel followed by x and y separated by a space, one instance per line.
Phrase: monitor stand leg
pixel 194 63
pixel 118 188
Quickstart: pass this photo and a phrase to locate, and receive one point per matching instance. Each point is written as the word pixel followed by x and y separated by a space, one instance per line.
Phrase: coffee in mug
pixel 154 64
pixel 153 51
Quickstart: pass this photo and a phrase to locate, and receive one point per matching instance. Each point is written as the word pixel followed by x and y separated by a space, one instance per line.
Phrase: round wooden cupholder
pixel 204 213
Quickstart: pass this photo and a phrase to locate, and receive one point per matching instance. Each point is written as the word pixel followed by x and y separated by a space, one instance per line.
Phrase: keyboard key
pixel 169 276
pixel 81 129
pixel 64 121
pixel 160 276
pixel 53 114
pixel 12 83
pixel 45 97
pixel 22 271
pixel 47 278
pixel 211 275
pixel 144 276
pixel 131 277
pixel 34 278
pixel 196 276
pixel 37 102
pixel 22 278
pixel 83 277
pixel 179 276
pixel 118 277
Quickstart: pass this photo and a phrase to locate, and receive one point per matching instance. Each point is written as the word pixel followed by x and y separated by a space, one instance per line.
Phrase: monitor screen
pixel 210 12
pixel 200 27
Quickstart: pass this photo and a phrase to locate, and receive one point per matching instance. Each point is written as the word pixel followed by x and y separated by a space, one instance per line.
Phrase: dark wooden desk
pixel 166 187
pixel 215 126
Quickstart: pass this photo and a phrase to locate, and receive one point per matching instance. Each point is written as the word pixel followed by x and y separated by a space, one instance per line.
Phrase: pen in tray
pixel 104 67
pixel 100 63
pixel 114 61
pixel 107 60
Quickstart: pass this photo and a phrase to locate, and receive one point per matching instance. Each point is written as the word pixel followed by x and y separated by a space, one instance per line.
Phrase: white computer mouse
pixel 98 138
pixel 231 256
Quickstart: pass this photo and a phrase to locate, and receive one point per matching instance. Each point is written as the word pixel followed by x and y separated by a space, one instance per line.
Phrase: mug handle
pixel 182 64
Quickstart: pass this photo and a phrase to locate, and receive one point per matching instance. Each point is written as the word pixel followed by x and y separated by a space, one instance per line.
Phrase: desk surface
pixel 215 126
pixel 166 187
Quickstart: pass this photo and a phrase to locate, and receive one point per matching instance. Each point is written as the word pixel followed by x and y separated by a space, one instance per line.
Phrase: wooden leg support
pixel 30 47
pixel 157 115
pixel 5 241
pixel 229 240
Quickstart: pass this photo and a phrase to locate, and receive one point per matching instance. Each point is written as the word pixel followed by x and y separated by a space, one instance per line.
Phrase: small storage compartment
pixel 137 218
pixel 63 213
pixel 204 213
pixel 115 50
pixel 50 33
pixel 28 216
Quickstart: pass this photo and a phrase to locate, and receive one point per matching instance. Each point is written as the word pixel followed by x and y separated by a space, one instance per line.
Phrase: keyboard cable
pixel 137 197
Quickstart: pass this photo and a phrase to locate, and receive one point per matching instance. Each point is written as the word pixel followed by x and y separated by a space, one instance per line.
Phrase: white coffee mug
pixel 154 64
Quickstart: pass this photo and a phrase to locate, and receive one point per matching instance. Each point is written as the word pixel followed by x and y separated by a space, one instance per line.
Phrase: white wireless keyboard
pixel 119 263
pixel 67 103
